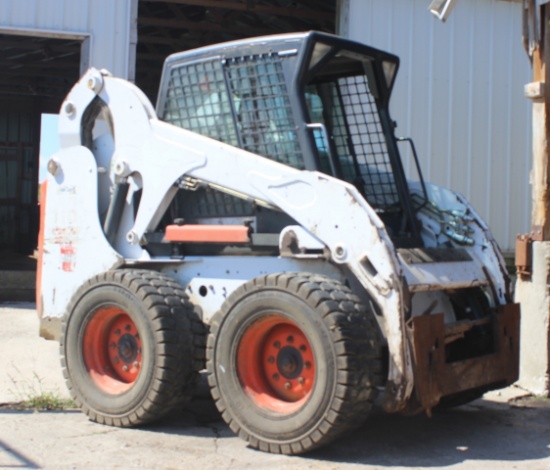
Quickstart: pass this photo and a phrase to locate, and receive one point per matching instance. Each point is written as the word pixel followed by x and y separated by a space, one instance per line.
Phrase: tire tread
pixel 180 349
pixel 358 357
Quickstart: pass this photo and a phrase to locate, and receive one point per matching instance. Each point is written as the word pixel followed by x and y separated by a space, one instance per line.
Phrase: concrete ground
pixel 500 431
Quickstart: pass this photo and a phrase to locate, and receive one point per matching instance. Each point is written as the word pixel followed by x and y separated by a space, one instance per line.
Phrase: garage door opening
pixel 37 73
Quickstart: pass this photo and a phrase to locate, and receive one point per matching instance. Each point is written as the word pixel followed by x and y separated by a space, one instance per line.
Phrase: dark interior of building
pixel 37 72
pixel 165 27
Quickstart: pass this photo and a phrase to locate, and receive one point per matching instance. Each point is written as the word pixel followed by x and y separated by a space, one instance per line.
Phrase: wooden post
pixel 539 91
pixel 532 292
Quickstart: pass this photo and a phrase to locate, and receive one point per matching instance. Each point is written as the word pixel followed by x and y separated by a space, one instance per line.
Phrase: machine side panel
pixel 74 246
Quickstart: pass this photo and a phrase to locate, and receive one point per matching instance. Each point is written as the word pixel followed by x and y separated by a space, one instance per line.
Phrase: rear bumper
pixel 435 379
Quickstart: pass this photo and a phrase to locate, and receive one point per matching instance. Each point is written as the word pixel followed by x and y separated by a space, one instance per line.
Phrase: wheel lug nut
pixel 303 348
pixel 287 385
pixel 127 327
pixel 307 365
pixel 117 332
pixel 276 344
pixel 301 380
pixel 275 376
pixel 271 359
pixel 136 364
pixel 112 345
pixel 125 368
pixel 116 359
pixel 290 339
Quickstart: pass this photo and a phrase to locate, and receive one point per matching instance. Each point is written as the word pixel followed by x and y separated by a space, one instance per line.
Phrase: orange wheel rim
pixel 275 364
pixel 112 351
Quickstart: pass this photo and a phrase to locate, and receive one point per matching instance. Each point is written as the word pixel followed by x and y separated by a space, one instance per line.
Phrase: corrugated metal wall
pixel 110 24
pixel 459 94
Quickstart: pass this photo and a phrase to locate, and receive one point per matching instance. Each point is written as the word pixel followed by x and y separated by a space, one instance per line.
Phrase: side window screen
pixel 254 114
pixel 197 100
pixel 265 120
pixel 369 143
pixel 344 104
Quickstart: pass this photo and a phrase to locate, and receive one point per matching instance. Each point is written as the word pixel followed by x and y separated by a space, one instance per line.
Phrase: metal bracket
pixel 537 233
pixel 524 258
pixel 435 378
pixel 534 90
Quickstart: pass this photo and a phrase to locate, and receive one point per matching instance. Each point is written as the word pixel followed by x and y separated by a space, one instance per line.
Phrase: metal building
pixel 45 45
pixel 459 95
pixel 459 92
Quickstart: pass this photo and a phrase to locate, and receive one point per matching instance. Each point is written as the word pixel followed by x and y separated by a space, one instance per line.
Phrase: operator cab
pixel 309 100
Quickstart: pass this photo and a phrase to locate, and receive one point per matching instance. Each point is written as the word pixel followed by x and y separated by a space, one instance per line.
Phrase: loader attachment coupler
pixel 436 377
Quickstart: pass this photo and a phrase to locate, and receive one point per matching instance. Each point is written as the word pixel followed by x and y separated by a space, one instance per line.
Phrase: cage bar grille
pixel 361 130
pixel 256 115
pixel 197 100
pixel 263 108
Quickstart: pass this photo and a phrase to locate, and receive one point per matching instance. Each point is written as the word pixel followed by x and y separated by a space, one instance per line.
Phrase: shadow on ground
pixel 480 431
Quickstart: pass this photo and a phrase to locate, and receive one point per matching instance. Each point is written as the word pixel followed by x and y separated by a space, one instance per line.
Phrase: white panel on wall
pixel 459 94
pixel 108 23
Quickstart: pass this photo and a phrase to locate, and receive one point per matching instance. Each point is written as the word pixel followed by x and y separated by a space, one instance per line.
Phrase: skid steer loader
pixel 258 223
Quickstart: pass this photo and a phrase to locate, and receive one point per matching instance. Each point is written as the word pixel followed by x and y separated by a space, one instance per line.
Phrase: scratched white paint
pixel 459 94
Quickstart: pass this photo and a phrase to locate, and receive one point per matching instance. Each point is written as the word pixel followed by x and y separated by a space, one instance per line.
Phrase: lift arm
pixel 155 157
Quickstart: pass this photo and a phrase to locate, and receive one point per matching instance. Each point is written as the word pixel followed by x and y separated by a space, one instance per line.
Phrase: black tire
pixel 139 327
pixel 249 351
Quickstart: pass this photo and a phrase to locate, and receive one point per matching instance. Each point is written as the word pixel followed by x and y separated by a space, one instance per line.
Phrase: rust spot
pixel 435 378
